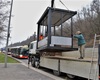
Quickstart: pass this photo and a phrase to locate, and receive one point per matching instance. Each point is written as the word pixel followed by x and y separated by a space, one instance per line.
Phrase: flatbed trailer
pixel 72 66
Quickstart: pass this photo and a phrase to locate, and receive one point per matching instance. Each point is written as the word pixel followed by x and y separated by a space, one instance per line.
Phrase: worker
pixel 41 37
pixel 81 43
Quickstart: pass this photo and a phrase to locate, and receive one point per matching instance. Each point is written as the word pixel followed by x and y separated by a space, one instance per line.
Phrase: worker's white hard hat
pixel 78 32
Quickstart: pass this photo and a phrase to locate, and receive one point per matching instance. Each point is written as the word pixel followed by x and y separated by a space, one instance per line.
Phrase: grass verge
pixel 9 59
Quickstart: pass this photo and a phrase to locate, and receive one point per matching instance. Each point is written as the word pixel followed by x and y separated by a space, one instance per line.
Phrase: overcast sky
pixel 27 13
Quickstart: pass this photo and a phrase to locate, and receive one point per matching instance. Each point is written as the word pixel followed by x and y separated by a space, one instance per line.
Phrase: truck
pixel 67 63
pixel 57 52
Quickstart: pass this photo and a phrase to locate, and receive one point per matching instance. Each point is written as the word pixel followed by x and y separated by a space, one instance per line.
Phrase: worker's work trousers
pixel 82 50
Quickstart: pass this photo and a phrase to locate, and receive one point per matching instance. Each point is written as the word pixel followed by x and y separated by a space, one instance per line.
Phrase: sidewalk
pixel 18 71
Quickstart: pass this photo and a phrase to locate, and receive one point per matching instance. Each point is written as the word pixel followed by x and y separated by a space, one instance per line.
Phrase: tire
pixel 33 62
pixel 55 72
pixel 37 64
pixel 70 76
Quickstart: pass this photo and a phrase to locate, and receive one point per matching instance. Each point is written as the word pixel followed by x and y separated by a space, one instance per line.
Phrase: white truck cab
pixel 32 47
pixel 33 56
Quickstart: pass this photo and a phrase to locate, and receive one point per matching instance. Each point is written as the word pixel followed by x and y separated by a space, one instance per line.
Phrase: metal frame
pixel 47 20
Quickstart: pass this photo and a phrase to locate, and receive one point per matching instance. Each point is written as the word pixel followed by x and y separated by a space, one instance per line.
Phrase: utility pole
pixel 8 34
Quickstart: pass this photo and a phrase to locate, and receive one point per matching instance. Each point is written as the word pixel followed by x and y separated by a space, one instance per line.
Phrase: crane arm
pixel 52 3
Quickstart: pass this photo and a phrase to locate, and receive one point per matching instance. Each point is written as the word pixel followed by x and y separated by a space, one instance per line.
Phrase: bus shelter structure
pixel 51 19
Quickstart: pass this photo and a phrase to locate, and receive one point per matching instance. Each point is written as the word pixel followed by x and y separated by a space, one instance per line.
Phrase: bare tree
pixel 4 12
pixel 95 7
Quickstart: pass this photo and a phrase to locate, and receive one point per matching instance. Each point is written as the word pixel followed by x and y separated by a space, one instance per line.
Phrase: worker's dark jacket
pixel 80 38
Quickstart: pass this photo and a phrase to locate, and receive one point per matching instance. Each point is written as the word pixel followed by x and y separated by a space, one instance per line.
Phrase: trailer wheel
pixel 37 64
pixel 55 72
pixel 70 76
pixel 33 61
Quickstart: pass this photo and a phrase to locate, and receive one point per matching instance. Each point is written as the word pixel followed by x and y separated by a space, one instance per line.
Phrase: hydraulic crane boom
pixel 52 3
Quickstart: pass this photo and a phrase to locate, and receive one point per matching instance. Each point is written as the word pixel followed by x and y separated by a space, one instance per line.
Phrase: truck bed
pixel 71 58
pixel 70 65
